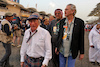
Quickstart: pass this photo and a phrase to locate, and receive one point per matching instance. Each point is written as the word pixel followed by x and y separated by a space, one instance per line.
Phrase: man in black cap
pixel 5 38
pixel 36 45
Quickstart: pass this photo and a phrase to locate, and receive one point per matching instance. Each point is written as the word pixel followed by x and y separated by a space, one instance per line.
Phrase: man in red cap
pixel 54 29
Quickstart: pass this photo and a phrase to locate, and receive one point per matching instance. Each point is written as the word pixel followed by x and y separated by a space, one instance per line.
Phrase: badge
pixel 68 36
pixel 54 29
pixel 65 35
pixel 65 28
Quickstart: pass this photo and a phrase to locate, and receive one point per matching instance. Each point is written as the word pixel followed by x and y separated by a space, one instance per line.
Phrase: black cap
pixel 33 17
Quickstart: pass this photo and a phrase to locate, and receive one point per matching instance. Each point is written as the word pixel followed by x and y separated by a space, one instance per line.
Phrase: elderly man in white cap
pixel 94 42
pixel 36 45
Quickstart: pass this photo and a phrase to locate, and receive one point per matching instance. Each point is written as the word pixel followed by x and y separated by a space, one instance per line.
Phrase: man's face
pixel 34 24
pixel 58 15
pixel 10 18
pixel 46 22
pixel 51 18
pixel 68 11
pixel 98 26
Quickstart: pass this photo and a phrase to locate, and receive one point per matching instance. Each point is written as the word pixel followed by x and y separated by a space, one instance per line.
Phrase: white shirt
pixel 39 45
pixel 94 39
pixel 0 26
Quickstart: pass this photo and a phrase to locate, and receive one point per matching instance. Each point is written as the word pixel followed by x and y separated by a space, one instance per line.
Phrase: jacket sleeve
pixel 48 49
pixel 82 38
pixel 24 48
pixel 60 35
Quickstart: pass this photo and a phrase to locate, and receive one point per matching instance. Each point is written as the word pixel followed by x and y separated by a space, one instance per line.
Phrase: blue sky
pixel 83 6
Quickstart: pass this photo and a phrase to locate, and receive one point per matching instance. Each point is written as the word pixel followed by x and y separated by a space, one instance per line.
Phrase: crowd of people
pixel 88 27
pixel 48 41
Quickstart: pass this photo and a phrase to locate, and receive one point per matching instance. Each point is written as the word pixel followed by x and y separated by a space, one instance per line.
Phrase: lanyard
pixel 30 36
pixel 56 27
pixel 56 24
pixel 69 26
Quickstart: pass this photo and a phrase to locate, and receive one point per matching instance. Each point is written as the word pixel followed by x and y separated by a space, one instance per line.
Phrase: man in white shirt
pixel 36 45
pixel 94 43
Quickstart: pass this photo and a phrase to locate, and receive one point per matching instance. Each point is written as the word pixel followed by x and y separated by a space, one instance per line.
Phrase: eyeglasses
pixel 66 9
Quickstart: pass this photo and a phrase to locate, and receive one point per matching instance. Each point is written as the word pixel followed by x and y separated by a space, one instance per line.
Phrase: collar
pixel 35 30
pixel 67 20
pixel 5 20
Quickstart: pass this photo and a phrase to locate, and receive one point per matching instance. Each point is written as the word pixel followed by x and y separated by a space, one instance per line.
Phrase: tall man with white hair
pixel 36 45
pixel 70 37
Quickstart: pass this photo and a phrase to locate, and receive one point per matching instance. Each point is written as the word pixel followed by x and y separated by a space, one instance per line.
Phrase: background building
pixel 15 1
pixel 14 6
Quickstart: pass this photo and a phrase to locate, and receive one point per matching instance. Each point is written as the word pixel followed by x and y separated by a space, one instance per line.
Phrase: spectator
pixel 94 43
pixel 54 29
pixel 45 23
pixel 17 31
pixel 70 37
pixel 36 46
pixel 6 39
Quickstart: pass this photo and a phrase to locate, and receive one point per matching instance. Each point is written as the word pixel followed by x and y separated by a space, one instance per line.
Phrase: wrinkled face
pixel 10 18
pixel 58 15
pixel 33 24
pixel 68 11
pixel 98 26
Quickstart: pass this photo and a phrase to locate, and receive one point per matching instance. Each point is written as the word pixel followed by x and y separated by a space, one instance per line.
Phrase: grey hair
pixel 73 7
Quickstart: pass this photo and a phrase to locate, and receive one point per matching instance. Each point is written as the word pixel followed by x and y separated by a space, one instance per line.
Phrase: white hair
pixel 73 7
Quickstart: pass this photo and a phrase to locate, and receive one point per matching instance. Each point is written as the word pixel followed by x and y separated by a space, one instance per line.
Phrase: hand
pixel 92 46
pixel 81 56
pixel 43 66
pixel 57 52
pixel 15 27
pixel 22 63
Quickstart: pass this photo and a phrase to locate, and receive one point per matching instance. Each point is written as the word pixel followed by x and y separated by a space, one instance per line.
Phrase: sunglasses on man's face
pixel 57 13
